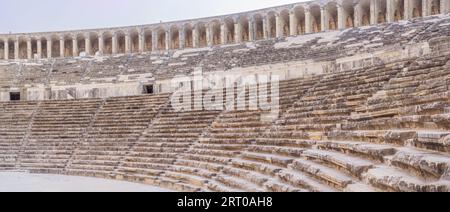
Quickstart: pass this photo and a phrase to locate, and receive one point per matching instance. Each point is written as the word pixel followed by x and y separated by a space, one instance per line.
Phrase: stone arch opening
pixel 81 41
pixel 215 32
pixel 299 13
pixel 148 40
pixel 11 49
pixel 399 10
pixel 364 12
pixel 188 36
pixel 34 48
pixel 435 7
pixel 259 26
pixel 120 36
pixel 245 30
pixel 349 13
pixel 107 43
pixel 271 25
pixel 381 17
pixel 2 50
pixel 229 26
pixel 43 47
pixel 202 39
pixel 332 16
pixel 416 8
pixel 285 23
pixel 56 47
pixel 316 18
pixel 68 46
pixel 23 48
pixel 174 37
pixel 95 44
pixel 134 41
pixel 161 41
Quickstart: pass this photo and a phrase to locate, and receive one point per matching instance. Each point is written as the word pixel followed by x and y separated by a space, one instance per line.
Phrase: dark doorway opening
pixel 14 96
pixel 148 89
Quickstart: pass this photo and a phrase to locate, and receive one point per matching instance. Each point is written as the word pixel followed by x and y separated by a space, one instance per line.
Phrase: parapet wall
pixel 277 22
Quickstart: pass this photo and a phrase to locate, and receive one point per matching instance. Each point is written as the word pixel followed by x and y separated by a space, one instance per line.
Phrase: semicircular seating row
pixel 384 128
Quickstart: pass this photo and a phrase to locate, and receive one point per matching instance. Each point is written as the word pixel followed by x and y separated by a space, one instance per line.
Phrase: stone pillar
pixel 182 36
pixel 279 26
pixel 101 44
pixel 445 4
pixel 127 43
pixel 87 44
pixel 308 21
pixel 16 49
pixel 154 40
pixel 252 29
pixel 61 47
pixel 6 44
pixel 75 46
pixel 141 41
pixel 195 37
pixel 426 7
pixel 29 49
pixel 223 34
pixel 293 24
pixel 390 11
pixel 374 10
pixel 39 48
pixel 49 47
pixel 341 17
pixel 408 9
pixel 324 19
pixel 237 33
pixel 168 39
pixel 265 28
pixel 209 40
pixel 114 44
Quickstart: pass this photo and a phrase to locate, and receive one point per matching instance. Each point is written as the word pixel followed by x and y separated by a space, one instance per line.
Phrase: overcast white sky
pixel 57 15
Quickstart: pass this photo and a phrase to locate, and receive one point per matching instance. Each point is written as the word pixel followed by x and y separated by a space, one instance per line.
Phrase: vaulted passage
pixel 259 26
pixel 230 31
pixel 174 37
pixel 148 41
pixel 331 16
pixel 188 39
pixel 348 13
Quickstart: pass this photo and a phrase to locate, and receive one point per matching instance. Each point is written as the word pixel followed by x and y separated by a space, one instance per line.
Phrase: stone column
pixel 49 47
pixel 154 40
pixel 426 7
pixel 101 45
pixel 308 21
pixel 75 46
pixel 251 29
pixel 182 36
pixel 195 37
pixel 324 19
pixel 279 26
pixel 341 17
pixel 39 48
pixel 293 23
pixel 374 10
pixel 390 11
pixel 61 47
pixel 209 40
pixel 127 43
pixel 265 28
pixel 168 39
pixel 29 49
pixel 6 44
pixel 237 33
pixel 408 9
pixel 87 44
pixel 223 34
pixel 114 43
pixel 16 49
pixel 445 4
pixel 141 41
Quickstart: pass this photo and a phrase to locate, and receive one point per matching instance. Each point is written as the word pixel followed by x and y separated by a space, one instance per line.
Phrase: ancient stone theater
pixel 360 90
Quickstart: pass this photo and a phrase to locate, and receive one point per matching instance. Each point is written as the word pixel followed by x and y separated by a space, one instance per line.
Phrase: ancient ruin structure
pixel 364 100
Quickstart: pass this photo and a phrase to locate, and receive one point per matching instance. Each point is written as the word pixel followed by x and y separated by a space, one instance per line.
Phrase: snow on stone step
pixel 426 163
pixel 354 165
pixel 373 151
pixel 328 175
pixel 394 179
